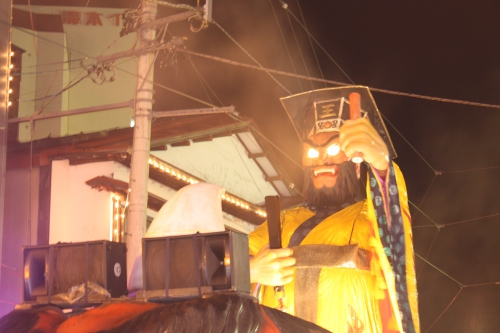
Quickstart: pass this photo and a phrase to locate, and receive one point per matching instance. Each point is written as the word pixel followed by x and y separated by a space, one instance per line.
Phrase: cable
pixel 310 41
pixel 250 56
pixel 446 309
pixel 203 82
pixel 285 6
pixel 439 270
pixel 470 170
pixel 428 252
pixel 338 83
pixel 409 144
pixel 299 48
pixel 425 195
pixel 470 220
pixel 286 45
pixel 421 212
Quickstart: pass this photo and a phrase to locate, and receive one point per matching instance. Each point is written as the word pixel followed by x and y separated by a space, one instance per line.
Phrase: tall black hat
pixel 325 110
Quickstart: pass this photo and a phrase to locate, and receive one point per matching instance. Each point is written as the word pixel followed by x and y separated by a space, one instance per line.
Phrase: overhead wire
pixel 250 56
pixel 428 252
pixel 310 41
pixel 439 270
pixel 470 220
pixel 471 170
pixel 43 106
pixel 285 43
pixel 425 196
pixel 339 83
pixel 446 309
pixel 203 82
pixel 285 7
pixel 33 28
pixel 214 106
pixel 299 48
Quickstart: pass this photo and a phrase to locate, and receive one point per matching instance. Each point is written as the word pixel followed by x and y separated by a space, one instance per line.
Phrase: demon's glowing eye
pixel 333 150
pixel 312 153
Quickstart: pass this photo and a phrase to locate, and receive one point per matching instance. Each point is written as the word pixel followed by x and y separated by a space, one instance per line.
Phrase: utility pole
pixel 5 15
pixel 139 168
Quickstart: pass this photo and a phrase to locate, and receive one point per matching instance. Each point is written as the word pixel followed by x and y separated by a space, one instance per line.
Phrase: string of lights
pixel 174 172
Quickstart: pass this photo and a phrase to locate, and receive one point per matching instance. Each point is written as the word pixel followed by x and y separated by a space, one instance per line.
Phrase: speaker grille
pixel 54 269
pixel 184 260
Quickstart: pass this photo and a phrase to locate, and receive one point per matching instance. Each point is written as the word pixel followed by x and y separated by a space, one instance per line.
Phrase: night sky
pixel 448 152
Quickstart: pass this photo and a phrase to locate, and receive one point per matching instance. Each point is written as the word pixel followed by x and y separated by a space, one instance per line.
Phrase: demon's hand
pixel 360 136
pixel 272 267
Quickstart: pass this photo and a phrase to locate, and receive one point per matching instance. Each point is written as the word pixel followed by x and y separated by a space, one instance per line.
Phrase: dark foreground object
pixel 228 313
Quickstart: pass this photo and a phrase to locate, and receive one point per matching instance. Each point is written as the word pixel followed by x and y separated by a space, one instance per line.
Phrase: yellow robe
pixel 348 299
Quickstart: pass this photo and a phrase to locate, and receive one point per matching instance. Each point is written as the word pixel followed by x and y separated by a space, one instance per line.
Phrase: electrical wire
pixel 439 270
pixel 428 252
pixel 421 212
pixel 250 56
pixel 285 7
pixel 285 43
pixel 339 83
pixel 471 170
pixel 470 220
pixel 425 195
pixel 446 309
pixel 310 41
pixel 299 48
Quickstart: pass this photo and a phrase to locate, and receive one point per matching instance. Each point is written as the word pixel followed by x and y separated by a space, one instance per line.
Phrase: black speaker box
pixel 192 265
pixel 50 270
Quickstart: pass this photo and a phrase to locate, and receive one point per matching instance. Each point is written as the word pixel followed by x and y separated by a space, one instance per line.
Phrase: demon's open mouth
pixel 325 171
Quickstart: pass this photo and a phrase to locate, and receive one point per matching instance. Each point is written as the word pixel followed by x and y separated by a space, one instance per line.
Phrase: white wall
pixel 79 213
pixel 42 78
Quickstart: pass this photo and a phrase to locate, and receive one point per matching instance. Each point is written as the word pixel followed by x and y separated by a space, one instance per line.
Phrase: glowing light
pixel 10 78
pixel 11 66
pixel 9 103
pixel 312 153
pixel 12 53
pixel 333 150
pixel 227 261
pixel 181 176
pixel 357 159
pixel 10 91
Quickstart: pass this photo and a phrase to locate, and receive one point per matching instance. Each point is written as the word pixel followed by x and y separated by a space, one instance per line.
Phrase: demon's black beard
pixel 347 188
